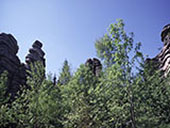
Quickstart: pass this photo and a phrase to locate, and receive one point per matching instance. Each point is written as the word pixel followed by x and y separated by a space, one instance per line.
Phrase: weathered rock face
pixel 95 65
pixel 162 60
pixel 10 62
pixel 35 54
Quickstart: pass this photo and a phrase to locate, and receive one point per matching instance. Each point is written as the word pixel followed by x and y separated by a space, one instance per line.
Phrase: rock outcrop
pixel 10 62
pixel 95 66
pixel 162 60
pixel 35 54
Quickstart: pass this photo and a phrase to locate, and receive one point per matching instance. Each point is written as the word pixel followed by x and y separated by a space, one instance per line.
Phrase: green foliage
pixel 152 98
pixel 65 75
pixel 116 44
pixel 4 99
pixel 38 105
pixel 3 88
pixel 82 98
pixel 127 94
pixel 119 77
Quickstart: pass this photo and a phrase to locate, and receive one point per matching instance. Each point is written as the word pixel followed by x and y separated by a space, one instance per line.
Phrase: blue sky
pixel 69 28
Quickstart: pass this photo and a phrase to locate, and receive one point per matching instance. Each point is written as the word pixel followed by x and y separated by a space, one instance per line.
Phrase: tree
pixel 115 49
pixel 4 99
pixel 78 99
pixel 65 74
pixel 137 97
pixel 83 96
pixel 112 43
pixel 3 88
pixel 37 106
pixel 108 100
pixel 152 96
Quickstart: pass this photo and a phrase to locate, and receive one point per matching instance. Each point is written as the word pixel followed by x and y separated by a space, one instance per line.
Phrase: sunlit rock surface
pixel 162 60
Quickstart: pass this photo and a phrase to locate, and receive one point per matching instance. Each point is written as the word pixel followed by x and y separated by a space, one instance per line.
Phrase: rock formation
pixel 162 60
pixel 10 62
pixel 35 54
pixel 95 65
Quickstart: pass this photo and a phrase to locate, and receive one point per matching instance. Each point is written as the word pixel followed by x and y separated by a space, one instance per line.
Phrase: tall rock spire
pixel 35 54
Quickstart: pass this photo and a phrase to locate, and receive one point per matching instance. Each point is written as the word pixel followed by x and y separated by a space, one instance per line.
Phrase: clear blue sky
pixel 69 28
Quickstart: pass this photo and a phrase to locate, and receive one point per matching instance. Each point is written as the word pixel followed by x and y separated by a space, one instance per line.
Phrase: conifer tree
pixel 65 74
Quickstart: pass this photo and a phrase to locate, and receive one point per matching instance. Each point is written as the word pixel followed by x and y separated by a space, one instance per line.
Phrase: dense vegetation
pixel 127 94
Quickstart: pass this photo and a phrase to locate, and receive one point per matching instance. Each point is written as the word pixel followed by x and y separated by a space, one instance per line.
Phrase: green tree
pixel 116 49
pixel 111 102
pixel 4 99
pixel 153 94
pixel 82 96
pixel 115 41
pixel 3 88
pixel 65 74
pixel 137 97
pixel 39 105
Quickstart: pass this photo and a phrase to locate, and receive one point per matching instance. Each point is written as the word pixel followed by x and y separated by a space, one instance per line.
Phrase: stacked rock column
pixel 36 54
